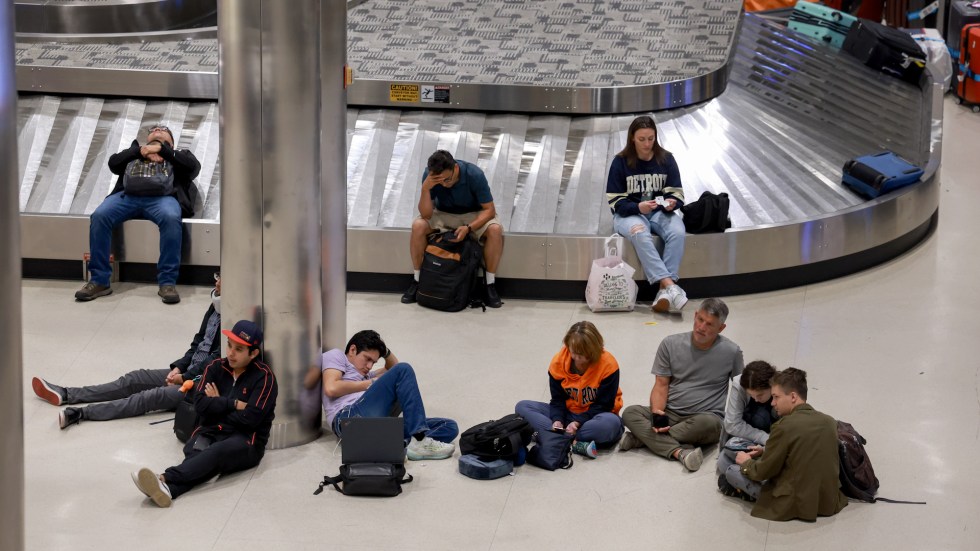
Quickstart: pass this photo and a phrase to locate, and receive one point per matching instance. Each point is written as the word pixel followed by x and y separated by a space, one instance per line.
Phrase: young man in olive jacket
pixel 800 461
pixel 236 402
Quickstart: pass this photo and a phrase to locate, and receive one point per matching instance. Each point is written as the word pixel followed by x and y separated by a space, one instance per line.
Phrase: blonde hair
pixel 583 338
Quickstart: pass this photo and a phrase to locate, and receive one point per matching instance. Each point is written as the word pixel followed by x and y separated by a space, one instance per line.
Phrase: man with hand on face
pixel 352 389
pixel 456 196
pixel 800 462
pixel 155 183
pixel 236 402
pixel 687 403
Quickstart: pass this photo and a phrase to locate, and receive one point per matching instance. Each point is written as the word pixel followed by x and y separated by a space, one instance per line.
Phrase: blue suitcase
pixel 824 24
pixel 872 175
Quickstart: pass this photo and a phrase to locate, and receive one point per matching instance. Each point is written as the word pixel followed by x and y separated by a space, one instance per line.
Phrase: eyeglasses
pixel 164 128
pixel 217 276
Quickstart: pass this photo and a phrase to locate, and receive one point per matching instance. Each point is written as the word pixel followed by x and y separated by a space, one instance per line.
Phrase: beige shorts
pixel 442 221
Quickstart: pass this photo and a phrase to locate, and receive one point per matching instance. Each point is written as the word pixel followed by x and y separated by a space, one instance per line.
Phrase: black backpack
pixel 709 214
pixel 857 477
pixel 186 418
pixel 497 439
pixel 368 479
pixel 448 276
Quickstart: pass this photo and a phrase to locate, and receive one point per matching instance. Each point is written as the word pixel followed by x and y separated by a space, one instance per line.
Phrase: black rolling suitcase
pixel 961 13
pixel 889 50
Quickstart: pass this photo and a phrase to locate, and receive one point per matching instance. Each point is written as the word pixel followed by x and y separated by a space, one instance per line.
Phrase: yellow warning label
pixel 404 92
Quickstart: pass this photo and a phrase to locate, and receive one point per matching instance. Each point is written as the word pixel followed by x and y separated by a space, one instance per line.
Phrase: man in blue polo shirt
pixel 456 195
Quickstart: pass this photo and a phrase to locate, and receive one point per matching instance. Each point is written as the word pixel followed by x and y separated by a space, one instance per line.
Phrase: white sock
pixel 416 274
pixel 490 278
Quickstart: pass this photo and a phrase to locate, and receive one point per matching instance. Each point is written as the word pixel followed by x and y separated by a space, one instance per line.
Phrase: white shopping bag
pixel 611 287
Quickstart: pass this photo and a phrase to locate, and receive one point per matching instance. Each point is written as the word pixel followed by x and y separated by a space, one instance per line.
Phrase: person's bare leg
pixel 418 241
pixel 493 247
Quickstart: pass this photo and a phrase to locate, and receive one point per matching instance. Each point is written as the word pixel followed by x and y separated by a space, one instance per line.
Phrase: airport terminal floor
pixel 890 349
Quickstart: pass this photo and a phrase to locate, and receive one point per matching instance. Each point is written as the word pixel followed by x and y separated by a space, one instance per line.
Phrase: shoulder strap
pixel 408 478
pixel 334 481
pixel 885 499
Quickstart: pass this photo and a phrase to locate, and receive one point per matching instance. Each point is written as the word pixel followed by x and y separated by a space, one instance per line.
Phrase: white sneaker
pixel 150 484
pixel 662 303
pixel 428 448
pixel 678 298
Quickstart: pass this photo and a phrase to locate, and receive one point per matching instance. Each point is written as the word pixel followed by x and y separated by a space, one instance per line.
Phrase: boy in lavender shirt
pixel 352 389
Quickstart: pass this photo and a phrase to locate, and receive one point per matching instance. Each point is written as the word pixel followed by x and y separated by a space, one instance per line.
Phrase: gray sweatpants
pixel 733 474
pixel 135 393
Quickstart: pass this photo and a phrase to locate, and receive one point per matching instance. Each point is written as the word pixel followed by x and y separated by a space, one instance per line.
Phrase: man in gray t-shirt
pixel 687 403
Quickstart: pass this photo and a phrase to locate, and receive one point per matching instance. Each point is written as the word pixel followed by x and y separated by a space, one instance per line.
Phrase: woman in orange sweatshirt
pixel 585 394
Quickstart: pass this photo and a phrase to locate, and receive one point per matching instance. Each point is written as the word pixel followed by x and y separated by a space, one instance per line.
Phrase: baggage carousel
pixel 540 96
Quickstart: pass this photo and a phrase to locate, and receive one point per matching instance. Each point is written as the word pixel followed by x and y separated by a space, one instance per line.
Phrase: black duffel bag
pixel 499 439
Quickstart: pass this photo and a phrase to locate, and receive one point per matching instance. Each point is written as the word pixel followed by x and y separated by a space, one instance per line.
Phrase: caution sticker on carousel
pixel 404 93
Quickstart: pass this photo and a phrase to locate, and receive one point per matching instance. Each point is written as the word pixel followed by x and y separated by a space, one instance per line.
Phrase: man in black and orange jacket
pixel 236 402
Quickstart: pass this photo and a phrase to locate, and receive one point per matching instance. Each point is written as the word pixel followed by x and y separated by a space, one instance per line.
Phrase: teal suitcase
pixel 819 22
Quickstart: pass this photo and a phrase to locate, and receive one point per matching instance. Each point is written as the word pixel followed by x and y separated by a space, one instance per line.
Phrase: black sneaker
pixel 69 417
pixel 92 291
pixel 168 293
pixel 493 299
pixel 726 488
pixel 409 296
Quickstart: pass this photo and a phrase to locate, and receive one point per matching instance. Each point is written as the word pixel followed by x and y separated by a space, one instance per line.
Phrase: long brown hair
pixel 629 152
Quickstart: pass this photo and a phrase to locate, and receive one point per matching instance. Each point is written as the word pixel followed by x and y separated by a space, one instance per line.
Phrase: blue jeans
pixel 398 388
pixel 670 228
pixel 604 429
pixel 116 209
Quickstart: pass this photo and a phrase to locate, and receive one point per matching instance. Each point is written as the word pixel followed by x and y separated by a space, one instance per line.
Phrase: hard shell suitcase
pixel 873 175
pixel 967 86
pixel 889 50
pixel 961 13
pixel 826 25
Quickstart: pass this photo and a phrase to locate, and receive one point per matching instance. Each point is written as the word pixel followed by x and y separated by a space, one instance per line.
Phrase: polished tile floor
pixel 889 349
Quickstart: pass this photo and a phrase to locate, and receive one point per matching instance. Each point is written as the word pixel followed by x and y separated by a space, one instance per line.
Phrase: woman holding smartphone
pixel 583 379
pixel 749 415
pixel 644 193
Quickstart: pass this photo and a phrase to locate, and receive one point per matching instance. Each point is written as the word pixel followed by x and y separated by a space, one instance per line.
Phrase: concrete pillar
pixel 11 366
